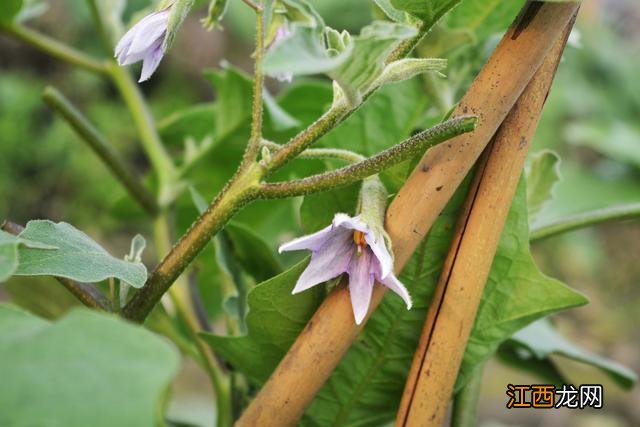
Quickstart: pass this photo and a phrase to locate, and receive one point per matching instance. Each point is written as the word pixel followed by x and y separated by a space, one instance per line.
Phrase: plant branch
pixel 101 27
pixel 55 48
pixel 86 293
pixel 258 83
pixel 585 219
pixel 98 143
pixel 407 149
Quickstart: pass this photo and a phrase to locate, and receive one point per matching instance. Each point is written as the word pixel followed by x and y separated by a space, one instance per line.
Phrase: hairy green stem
pixel 86 293
pixel 409 148
pixel 253 147
pixel 55 48
pixel 99 144
pixel 585 219
pixel 239 191
pixel 465 401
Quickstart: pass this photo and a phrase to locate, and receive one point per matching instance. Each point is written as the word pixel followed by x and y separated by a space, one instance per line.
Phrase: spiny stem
pixel 373 165
pixel 585 219
pixel 99 144
pixel 55 48
pixel 258 83
pixel 87 294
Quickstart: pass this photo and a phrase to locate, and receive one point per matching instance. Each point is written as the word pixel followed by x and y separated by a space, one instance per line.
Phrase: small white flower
pixel 349 246
pixel 143 42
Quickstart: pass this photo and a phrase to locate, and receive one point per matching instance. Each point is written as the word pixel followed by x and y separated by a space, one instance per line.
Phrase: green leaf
pixel 274 320
pixel 9 10
pixel 195 122
pixel 234 92
pixel 615 139
pixel 215 13
pixel 9 252
pixel 391 12
pixel 85 369
pixel 541 340
pixel 430 11
pixel 366 387
pixel 484 17
pixel 78 257
pixel 583 191
pixel 543 173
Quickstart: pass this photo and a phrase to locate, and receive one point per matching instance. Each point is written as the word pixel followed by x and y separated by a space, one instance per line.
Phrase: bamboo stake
pixel 453 308
pixel 328 335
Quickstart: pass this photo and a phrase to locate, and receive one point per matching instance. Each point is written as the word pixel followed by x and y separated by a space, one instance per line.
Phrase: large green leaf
pixel 87 369
pixel 275 318
pixel 77 256
pixel 366 387
pixel 9 252
pixel 541 340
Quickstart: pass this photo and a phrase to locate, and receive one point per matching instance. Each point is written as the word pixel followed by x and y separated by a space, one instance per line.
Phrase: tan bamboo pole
pixel 328 335
pixel 453 308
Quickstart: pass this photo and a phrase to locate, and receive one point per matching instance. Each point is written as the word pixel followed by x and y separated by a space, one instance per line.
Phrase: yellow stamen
pixel 358 238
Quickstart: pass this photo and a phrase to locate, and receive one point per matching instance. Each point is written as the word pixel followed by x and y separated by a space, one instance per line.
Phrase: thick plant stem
pixel 180 298
pixel 411 147
pixel 257 107
pixel 99 144
pixel 465 402
pixel 146 128
pixel 239 192
pixel 86 293
pixel 55 48
pixel 585 219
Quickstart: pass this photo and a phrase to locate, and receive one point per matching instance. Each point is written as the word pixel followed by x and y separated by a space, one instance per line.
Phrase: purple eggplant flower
pixel 143 42
pixel 349 246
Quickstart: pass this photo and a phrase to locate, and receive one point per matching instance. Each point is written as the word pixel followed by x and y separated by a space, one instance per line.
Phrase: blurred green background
pixel 592 119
